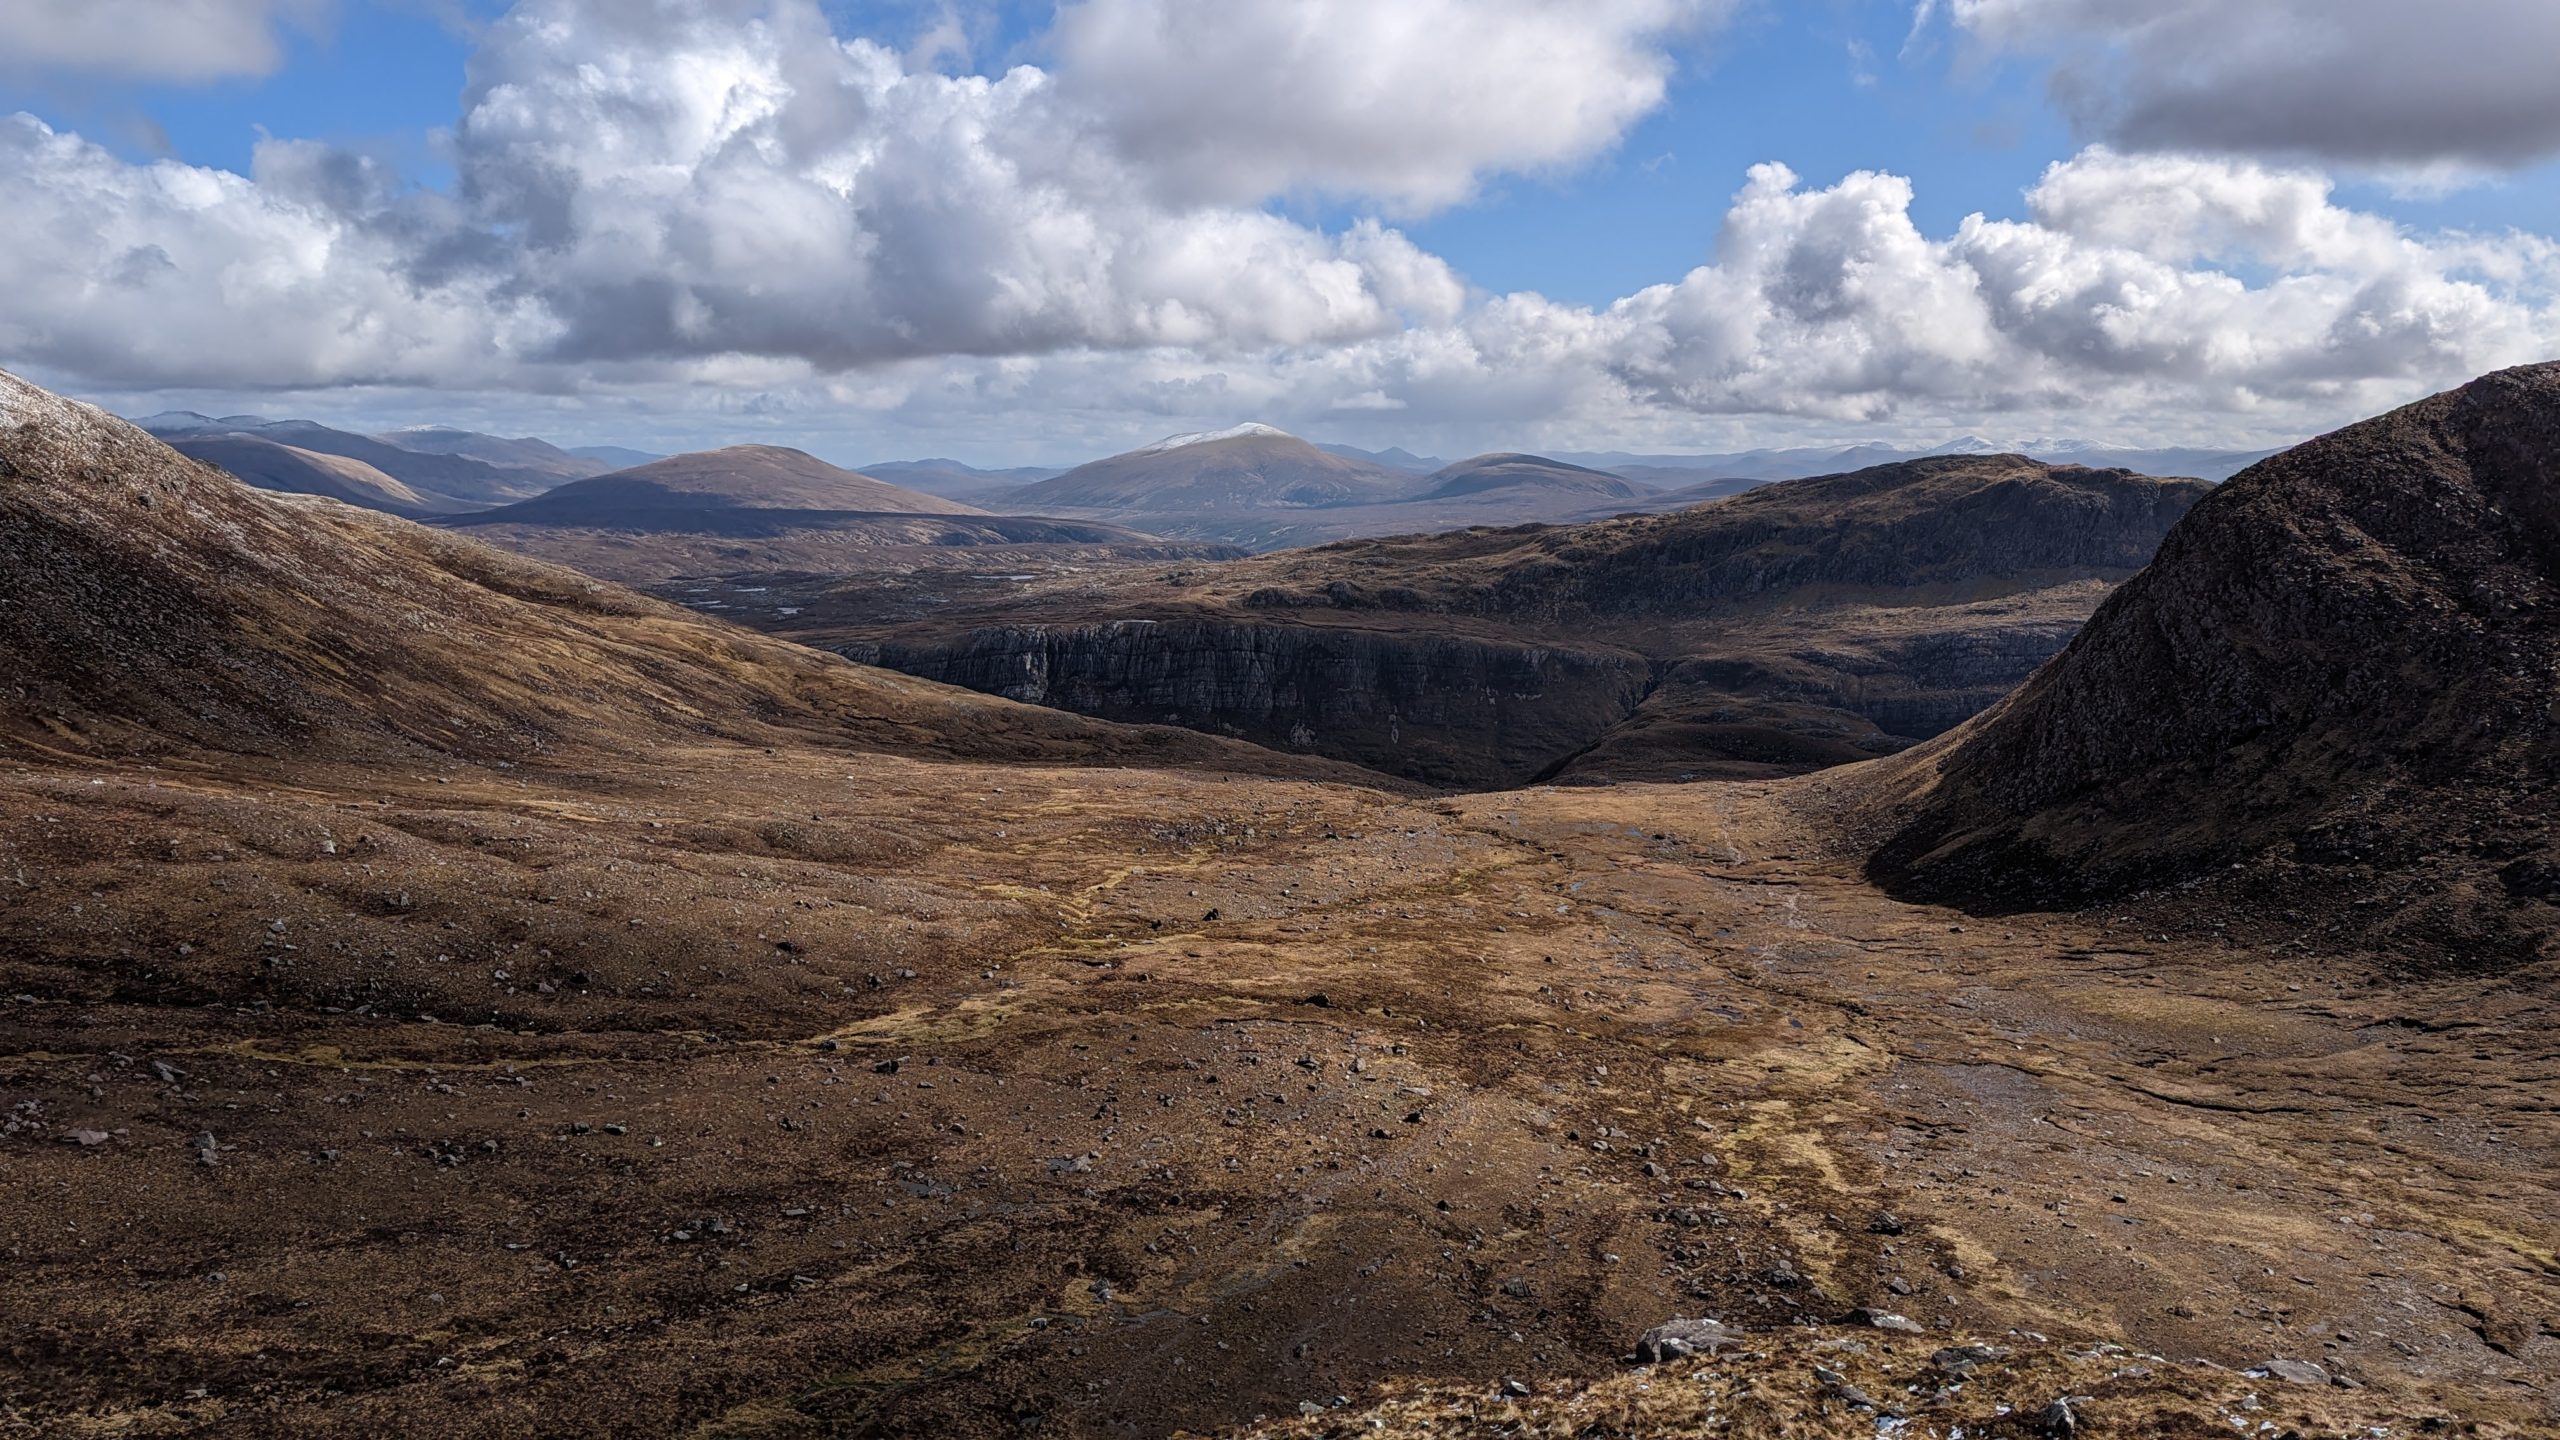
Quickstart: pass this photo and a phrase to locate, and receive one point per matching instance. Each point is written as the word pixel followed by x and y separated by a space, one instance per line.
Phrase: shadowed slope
pixel 148 601
pixel 294 471
pixel 2340 674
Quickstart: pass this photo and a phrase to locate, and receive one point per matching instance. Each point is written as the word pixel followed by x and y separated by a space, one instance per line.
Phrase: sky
pixel 1015 232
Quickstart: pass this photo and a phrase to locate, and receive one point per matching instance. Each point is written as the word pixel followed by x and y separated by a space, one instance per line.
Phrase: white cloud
pixel 1411 103
pixel 695 179
pixel 2392 84
pixel 2165 297
pixel 720 212
pixel 184 40
pixel 171 274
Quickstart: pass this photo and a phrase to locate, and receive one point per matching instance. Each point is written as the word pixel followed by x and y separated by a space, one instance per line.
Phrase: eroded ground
pixel 774 1095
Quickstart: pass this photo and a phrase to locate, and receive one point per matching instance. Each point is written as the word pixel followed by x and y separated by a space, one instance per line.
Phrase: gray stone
pixel 1960 1360
pixel 1886 1320
pixel 1677 1339
pixel 2293 1372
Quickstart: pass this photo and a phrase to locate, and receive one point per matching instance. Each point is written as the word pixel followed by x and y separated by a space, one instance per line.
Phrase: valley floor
pixel 791 1094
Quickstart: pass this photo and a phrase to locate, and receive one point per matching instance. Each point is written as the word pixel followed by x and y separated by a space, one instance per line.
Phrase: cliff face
pixel 1444 709
pixel 1804 624
pixel 1473 712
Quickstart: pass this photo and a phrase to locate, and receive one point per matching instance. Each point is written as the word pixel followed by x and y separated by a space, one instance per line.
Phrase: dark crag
pixel 2337 683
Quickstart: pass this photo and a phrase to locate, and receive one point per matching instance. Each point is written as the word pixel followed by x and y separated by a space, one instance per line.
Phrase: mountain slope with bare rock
pixel 148 601
pixel 443 995
pixel 2338 684
pixel 1802 624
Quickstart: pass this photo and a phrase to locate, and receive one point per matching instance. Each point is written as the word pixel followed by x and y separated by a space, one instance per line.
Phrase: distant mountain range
pixel 432 470
pixel 1250 484
pixel 954 481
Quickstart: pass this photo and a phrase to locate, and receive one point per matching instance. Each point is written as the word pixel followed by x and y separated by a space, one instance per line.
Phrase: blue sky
pixel 1964 108
pixel 1824 86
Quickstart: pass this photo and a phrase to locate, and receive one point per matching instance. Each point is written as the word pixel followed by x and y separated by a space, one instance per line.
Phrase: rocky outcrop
pixel 2339 681
pixel 1443 709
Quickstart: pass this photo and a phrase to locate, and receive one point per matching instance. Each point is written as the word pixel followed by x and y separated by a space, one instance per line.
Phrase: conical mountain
pixel 681 491
pixel 1485 474
pixel 1242 470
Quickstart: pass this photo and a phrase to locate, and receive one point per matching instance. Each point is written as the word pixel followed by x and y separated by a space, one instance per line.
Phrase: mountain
pixel 188 422
pixel 1675 470
pixel 442 995
pixel 464 481
pixel 1249 469
pixel 755 509
pixel 2206 464
pixel 149 601
pixel 1393 458
pixel 708 489
pixel 2336 690
pixel 1800 624
pixel 615 457
pixel 954 481
pixel 539 457
pixel 1486 473
pixel 295 471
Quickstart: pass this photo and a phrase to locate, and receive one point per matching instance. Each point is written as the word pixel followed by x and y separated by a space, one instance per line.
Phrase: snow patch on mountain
pixel 1209 437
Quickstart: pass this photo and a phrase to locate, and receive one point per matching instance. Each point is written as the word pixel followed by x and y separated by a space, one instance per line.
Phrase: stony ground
pixel 740 1093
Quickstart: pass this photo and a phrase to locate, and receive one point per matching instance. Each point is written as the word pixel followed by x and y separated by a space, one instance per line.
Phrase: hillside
pixel 1486 473
pixel 1802 624
pixel 287 469
pixel 448 996
pixel 2359 636
pixel 703 490
pixel 148 601
pixel 759 509
pixel 460 478
pixel 954 481
pixel 750 546
pixel 1217 474
pixel 524 453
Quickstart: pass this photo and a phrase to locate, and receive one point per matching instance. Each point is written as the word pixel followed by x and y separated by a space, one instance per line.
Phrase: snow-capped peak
pixel 1967 445
pixel 1205 437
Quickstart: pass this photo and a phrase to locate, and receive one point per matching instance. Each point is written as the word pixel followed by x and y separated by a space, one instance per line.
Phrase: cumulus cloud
pixel 183 40
pixel 1411 103
pixel 173 274
pixel 695 179
pixel 660 181
pixel 2170 294
pixel 722 208
pixel 2381 83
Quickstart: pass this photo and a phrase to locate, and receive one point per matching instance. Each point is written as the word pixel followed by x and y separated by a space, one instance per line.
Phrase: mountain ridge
pixel 2360 636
